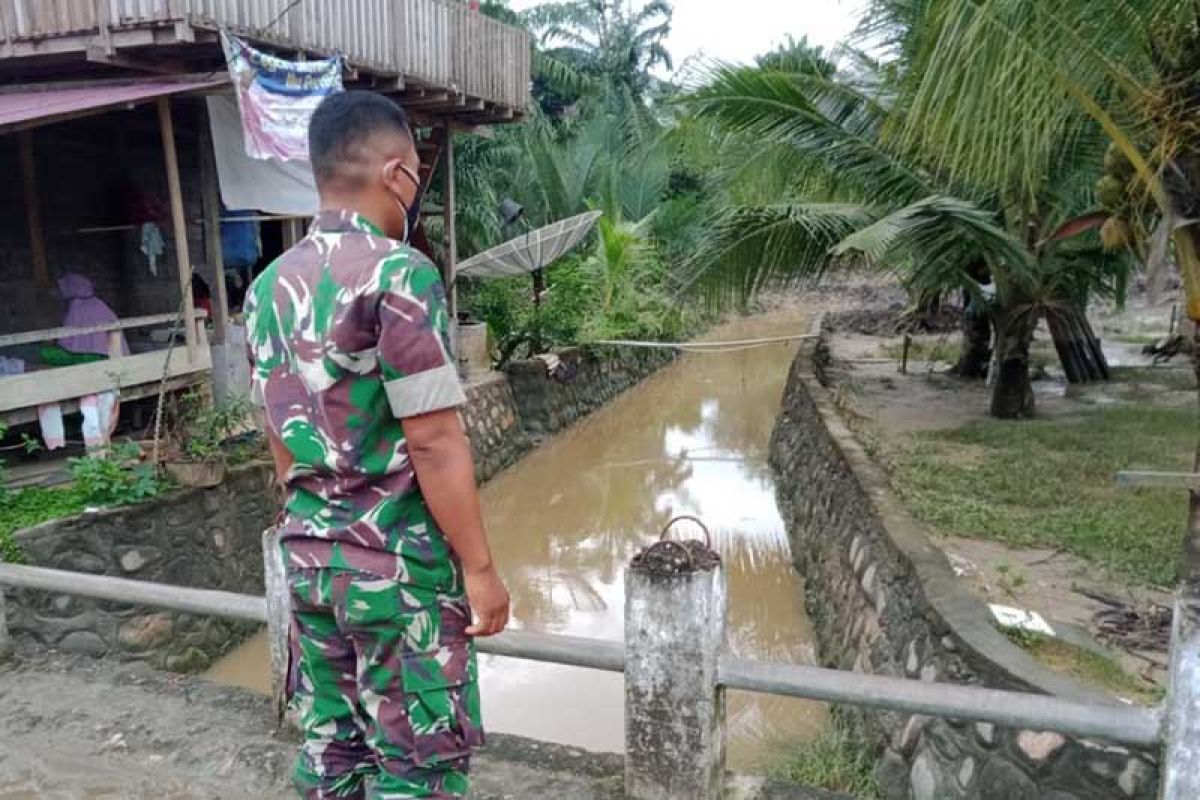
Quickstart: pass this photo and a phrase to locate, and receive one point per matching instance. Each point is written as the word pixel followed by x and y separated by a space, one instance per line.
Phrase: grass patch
pixel 1085 666
pixel 833 761
pixel 1050 483
pixel 21 508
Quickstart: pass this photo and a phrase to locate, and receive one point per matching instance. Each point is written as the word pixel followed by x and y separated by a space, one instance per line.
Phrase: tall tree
pixel 608 39
pixel 1000 82
pixel 842 190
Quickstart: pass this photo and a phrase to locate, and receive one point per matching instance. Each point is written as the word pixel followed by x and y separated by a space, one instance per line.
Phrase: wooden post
pixel 115 350
pixel 449 201
pixel 33 208
pixel 211 199
pixel 179 224
pixel 278 618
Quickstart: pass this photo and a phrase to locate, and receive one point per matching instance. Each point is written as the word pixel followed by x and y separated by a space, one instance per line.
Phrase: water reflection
pixel 691 440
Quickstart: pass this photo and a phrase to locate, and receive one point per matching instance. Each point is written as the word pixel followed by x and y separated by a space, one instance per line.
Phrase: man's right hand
pixel 488 600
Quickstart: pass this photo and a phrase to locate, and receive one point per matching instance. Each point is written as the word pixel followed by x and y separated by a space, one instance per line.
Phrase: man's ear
pixel 394 178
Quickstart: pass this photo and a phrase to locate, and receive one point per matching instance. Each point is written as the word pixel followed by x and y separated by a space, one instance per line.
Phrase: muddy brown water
pixel 692 439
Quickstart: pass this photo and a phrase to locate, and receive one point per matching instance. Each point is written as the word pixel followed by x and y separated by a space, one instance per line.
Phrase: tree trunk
pixel 1087 335
pixel 1012 395
pixel 1183 188
pixel 1068 354
pixel 1078 349
pixel 976 353
pixel 1191 559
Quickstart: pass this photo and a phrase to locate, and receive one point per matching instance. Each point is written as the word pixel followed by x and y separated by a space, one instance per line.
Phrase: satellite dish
pixel 530 252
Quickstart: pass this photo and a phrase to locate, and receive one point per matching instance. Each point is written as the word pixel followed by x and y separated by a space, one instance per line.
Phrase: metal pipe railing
pixel 1128 725
pixel 122 590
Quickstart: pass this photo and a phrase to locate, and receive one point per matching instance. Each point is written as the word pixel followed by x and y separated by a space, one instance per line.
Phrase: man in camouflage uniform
pixel 382 533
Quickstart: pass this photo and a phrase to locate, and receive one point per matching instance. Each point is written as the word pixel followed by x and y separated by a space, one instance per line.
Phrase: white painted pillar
pixel 6 645
pixel 675 607
pixel 278 618
pixel 1181 753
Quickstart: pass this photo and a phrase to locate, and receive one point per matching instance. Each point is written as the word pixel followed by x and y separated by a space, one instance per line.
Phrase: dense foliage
pixel 596 141
pixel 1027 196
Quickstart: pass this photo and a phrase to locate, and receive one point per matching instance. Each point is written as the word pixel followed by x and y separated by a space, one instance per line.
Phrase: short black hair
pixel 343 122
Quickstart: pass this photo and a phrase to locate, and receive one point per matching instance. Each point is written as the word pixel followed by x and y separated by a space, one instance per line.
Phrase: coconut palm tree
pixel 996 87
pixel 842 191
pixel 996 82
pixel 607 39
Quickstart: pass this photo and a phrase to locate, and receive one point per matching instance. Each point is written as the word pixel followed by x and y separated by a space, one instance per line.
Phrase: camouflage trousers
pixel 384 680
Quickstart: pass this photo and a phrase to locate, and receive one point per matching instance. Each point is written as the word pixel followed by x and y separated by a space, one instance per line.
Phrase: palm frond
pixel 561 76
pixel 835 127
pixel 935 242
pixel 1062 64
pixel 749 247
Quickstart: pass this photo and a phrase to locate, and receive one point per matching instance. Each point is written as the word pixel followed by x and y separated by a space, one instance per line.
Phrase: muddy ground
pixel 75 728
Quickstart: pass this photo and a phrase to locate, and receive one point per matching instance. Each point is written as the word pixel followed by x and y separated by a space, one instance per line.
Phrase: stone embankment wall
pixel 509 412
pixel 210 538
pixel 883 600
pixel 203 538
pixel 493 425
pixel 584 379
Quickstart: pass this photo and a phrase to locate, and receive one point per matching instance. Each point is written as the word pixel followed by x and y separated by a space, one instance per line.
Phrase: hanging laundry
pixel 270 186
pixel 153 245
pixel 277 98
pixel 241 242
pixel 50 419
pixel 99 418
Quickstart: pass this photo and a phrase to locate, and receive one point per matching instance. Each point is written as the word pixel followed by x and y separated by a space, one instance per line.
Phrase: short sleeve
pixel 419 373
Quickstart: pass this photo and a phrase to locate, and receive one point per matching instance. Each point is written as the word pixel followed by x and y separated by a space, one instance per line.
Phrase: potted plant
pixel 196 454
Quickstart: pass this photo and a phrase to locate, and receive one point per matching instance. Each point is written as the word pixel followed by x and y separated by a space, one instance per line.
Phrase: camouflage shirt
pixel 348 334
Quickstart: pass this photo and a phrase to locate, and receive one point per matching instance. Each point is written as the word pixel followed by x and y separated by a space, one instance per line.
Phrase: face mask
pixel 412 213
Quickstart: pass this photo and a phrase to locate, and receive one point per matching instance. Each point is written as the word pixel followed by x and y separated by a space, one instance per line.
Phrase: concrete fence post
pixel 675 604
pixel 5 641
pixel 1181 754
pixel 278 618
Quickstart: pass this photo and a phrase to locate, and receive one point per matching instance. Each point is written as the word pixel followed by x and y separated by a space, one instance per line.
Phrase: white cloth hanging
pixel 153 245
pixel 276 187
pixel 50 419
pixel 99 418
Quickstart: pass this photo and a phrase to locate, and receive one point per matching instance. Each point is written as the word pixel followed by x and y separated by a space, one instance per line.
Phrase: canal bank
pixel 692 438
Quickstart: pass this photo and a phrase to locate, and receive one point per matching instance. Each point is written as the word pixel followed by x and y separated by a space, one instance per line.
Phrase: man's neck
pixel 355 205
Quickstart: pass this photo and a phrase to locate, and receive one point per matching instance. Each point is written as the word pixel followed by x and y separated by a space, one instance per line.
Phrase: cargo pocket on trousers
pixel 441 693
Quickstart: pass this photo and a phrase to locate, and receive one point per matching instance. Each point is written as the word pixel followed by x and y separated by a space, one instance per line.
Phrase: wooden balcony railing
pixel 441 43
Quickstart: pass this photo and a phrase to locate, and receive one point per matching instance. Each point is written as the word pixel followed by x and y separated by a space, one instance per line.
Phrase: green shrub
pixel 115 476
pixel 201 427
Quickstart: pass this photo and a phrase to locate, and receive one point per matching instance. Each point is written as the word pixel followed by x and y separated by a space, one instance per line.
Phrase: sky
pixel 738 30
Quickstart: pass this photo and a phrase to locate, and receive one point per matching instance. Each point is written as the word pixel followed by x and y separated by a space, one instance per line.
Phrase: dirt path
pixel 74 728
